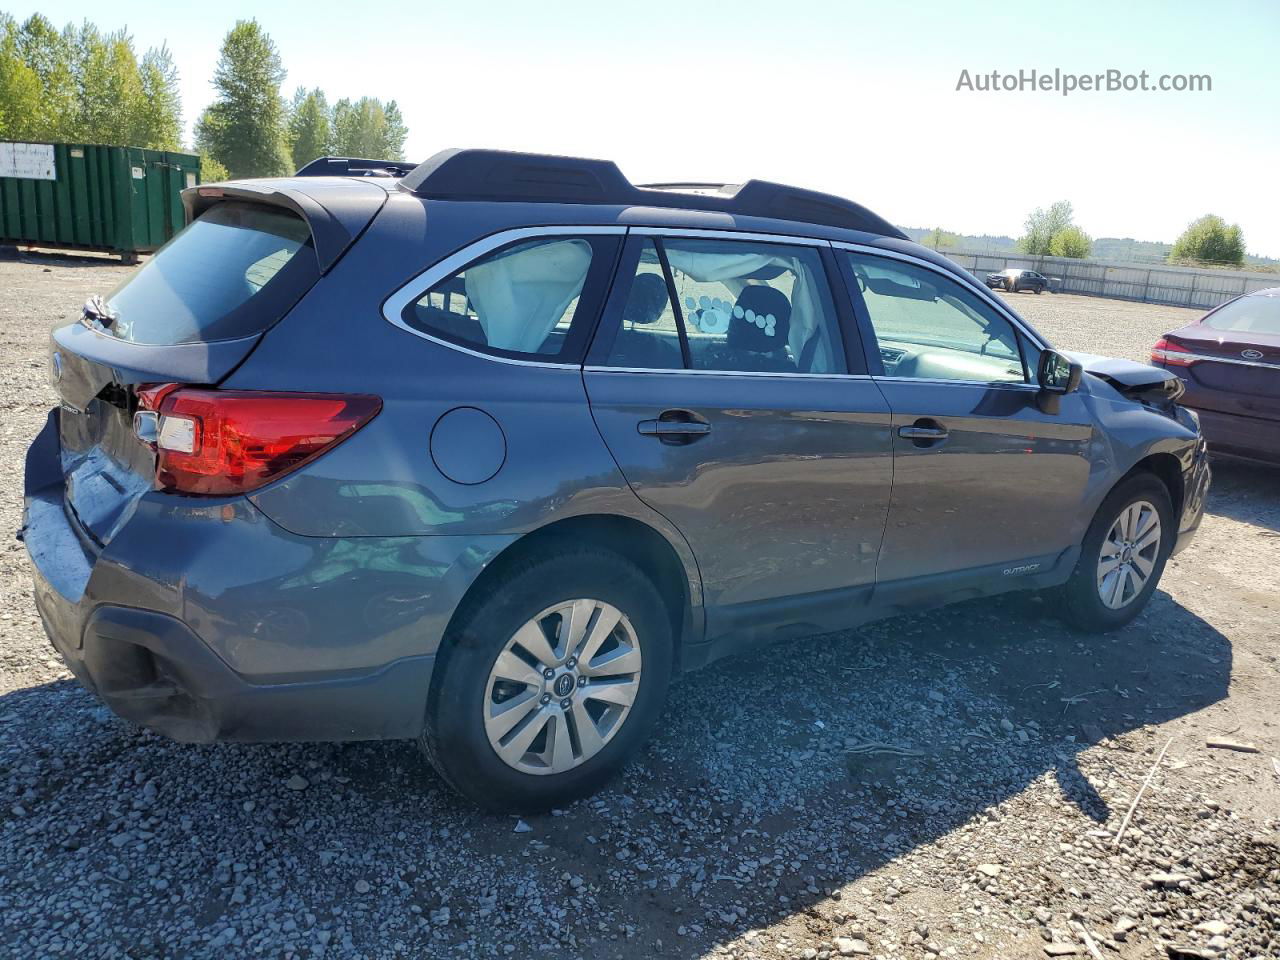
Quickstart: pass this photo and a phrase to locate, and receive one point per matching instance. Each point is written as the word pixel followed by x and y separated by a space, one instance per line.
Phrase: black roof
pixel 499 175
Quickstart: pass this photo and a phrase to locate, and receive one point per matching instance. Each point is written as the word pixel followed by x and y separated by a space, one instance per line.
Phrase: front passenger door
pixel 984 482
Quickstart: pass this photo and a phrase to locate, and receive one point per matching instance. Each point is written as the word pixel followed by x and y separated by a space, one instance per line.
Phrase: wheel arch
pixel 630 538
pixel 1168 470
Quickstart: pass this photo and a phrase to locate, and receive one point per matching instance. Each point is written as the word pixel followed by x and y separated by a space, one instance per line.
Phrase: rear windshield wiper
pixel 96 313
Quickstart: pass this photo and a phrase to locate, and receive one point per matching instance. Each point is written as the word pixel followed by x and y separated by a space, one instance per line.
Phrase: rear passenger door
pixel 720 381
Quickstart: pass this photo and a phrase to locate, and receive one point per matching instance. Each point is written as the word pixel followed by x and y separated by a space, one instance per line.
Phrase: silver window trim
pixel 696 233
pixel 768 374
pixel 394 306
pixel 985 384
pixel 983 293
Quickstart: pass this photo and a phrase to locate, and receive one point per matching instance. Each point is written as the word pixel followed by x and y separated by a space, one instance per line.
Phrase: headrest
pixel 647 299
pixel 761 320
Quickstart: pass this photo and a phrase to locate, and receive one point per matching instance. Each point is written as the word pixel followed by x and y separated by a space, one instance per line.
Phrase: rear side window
pixel 739 307
pixel 519 301
pixel 231 273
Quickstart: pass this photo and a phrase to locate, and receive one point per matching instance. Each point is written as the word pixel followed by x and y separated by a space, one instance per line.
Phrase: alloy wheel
pixel 1129 553
pixel 562 687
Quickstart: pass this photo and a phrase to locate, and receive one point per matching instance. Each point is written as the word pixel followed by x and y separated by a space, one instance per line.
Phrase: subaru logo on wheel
pixel 564 685
pixel 1251 354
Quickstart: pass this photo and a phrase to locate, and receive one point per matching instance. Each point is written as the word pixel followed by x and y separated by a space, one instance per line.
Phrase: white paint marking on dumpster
pixel 29 161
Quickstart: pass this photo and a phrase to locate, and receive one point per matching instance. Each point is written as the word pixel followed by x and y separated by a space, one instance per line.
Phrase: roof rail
pixel 355 167
pixel 543 178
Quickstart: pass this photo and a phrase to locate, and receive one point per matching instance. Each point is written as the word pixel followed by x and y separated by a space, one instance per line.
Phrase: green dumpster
pixel 82 196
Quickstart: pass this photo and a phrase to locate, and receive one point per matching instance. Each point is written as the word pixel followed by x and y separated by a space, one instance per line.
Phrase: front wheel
pixel 550 681
pixel 1122 556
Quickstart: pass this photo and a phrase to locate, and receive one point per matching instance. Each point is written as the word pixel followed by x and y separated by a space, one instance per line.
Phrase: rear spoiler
pixel 335 211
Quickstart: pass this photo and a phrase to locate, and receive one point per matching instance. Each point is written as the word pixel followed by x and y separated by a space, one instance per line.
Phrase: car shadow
pixel 775 780
pixel 1247 492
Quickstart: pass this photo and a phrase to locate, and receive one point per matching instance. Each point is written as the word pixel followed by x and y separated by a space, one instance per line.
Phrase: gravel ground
pixel 948 784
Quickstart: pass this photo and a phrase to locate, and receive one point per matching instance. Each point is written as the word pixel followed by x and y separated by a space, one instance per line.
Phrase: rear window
pixel 1254 314
pixel 519 301
pixel 231 273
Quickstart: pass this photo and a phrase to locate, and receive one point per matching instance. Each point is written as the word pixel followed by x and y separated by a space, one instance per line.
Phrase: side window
pixel 740 306
pixel 930 327
pixel 648 335
pixel 519 300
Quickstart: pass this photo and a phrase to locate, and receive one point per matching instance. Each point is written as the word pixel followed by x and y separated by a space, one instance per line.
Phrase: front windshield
pixel 1251 314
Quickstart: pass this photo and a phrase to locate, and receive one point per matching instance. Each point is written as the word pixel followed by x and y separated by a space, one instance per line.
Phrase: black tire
pixel 454 738
pixel 1039 289
pixel 1081 604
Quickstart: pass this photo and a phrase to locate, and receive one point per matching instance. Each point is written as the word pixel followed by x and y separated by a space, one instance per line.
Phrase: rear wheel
pixel 1122 557
pixel 552 679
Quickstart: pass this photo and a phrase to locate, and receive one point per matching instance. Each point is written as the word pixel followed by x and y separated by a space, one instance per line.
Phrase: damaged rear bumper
pixel 152 670
pixel 206 621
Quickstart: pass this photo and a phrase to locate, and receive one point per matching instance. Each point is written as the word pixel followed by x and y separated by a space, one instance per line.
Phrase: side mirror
pixel 1057 376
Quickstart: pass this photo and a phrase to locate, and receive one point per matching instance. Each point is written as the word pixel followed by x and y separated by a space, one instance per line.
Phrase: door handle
pixel 675 426
pixel 924 432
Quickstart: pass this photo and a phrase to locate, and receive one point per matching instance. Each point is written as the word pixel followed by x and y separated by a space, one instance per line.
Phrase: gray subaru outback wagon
pixel 482 451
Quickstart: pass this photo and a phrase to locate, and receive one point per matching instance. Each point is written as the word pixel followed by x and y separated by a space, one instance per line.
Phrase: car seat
pixel 758 332
pixel 642 348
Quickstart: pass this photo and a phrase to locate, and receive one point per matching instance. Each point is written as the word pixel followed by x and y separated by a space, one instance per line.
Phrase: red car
pixel 1230 361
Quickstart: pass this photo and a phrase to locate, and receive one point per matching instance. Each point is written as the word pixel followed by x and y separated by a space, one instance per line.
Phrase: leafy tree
pixel 367 128
pixel 211 171
pixel 110 88
pixel 52 56
pixel 309 132
pixel 20 104
pixel 1042 224
pixel 159 120
pixel 940 239
pixel 1210 239
pixel 396 133
pixel 244 128
pixel 1070 242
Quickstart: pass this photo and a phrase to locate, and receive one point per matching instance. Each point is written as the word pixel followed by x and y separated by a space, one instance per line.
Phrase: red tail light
pixel 223 442
pixel 1171 354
